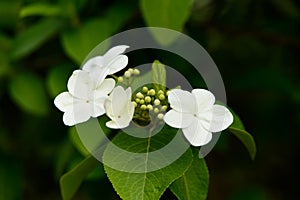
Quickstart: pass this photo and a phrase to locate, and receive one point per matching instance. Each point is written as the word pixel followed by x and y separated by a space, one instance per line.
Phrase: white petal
pixel 93 63
pixel 196 134
pixel 104 88
pixel 97 107
pixel 80 84
pixel 118 99
pixel 114 52
pixel 78 114
pixel 96 69
pixel 64 101
pixel 221 118
pixel 128 92
pixel 204 99
pixel 119 108
pixel 182 101
pixel 112 124
pixel 125 117
pixel 177 119
pixel 117 64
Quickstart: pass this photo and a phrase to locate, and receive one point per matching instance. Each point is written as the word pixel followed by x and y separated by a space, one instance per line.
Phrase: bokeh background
pixel 255 44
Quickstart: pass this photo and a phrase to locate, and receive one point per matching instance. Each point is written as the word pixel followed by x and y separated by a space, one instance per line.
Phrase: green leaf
pixel 40 9
pixel 34 36
pixel 76 141
pixel 78 42
pixel 159 76
pixel 170 14
pixel 238 129
pixel 70 182
pixel 28 92
pixel 194 182
pixel 246 139
pixel 135 156
pixel 57 79
pixel 63 158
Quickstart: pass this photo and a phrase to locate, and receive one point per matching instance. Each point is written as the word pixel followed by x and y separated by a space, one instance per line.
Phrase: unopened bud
pixel 127 74
pixel 160 116
pixel 134 104
pixel 150 107
pixel 160 92
pixel 143 107
pixel 139 95
pixel 164 108
pixel 120 79
pixel 151 92
pixel 136 72
pixel 161 97
pixel 156 102
pixel 147 99
pixel 145 89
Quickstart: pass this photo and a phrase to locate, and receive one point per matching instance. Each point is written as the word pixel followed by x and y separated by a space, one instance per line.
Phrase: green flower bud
pixel 134 104
pixel 160 92
pixel 137 100
pixel 147 99
pixel 130 70
pixel 156 102
pixel 136 72
pixel 143 107
pixel 168 92
pixel 142 101
pixel 161 97
pixel 164 108
pixel 139 95
pixel 156 110
pixel 160 116
pixel 120 79
pixel 145 89
pixel 127 74
pixel 150 107
pixel 151 92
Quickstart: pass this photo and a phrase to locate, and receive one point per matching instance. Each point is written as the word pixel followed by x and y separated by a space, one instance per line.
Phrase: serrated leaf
pixel 40 9
pixel 170 14
pixel 71 181
pixel 194 182
pixel 28 92
pixel 78 42
pixel 34 36
pixel 246 138
pixel 159 76
pixel 143 183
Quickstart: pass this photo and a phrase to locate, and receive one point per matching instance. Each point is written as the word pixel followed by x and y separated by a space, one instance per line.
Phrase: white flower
pixel 196 114
pixel 84 99
pixel 119 108
pixel 111 62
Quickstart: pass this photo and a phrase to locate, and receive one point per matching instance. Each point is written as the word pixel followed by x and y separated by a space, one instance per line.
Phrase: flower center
pixel 150 104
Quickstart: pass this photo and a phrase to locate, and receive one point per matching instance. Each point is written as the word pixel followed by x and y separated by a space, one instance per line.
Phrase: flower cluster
pixel 91 94
pixel 88 91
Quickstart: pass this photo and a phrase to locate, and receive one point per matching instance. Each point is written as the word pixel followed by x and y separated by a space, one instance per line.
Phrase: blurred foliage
pixel 254 43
